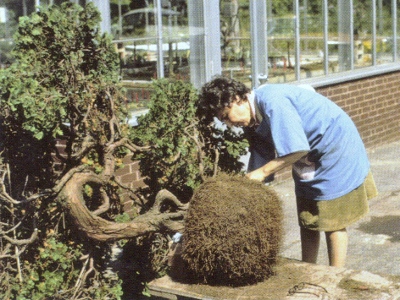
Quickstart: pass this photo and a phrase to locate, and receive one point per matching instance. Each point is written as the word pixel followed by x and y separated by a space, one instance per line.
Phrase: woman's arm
pixel 275 165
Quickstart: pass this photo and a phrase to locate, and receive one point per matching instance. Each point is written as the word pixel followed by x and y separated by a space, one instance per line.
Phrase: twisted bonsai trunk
pixel 99 229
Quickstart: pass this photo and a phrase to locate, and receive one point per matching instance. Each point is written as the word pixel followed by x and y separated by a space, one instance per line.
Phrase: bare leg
pixel 309 245
pixel 337 242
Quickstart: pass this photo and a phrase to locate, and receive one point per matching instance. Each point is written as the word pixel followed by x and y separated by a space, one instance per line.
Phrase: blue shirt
pixel 296 119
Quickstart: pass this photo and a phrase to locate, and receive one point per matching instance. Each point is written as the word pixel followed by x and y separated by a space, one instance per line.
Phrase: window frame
pixel 259 46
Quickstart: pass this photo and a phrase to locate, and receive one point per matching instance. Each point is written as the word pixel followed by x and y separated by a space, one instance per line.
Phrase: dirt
pixel 292 280
pixel 275 287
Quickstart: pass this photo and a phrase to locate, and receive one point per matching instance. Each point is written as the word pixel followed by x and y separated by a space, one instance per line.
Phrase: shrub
pixel 184 151
pixel 63 83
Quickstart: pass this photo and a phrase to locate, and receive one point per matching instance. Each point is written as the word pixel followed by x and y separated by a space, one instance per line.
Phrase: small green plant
pixel 53 274
pixel 184 151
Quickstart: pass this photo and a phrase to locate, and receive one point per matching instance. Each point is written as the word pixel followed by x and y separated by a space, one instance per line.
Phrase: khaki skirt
pixel 336 214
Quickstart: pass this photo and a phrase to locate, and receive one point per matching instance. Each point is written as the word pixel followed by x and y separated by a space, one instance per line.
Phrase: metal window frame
pixel 160 54
pixel 394 24
pixel 326 36
pixel 208 62
pixel 259 43
pixel 374 49
pixel 352 73
pixel 297 39
pixel 105 11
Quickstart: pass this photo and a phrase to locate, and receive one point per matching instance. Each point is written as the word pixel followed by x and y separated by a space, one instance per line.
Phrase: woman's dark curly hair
pixel 217 94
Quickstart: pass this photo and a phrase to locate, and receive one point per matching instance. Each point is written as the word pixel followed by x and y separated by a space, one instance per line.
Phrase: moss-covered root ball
pixel 233 231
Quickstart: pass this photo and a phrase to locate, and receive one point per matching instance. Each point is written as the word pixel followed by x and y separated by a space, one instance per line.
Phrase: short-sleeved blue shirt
pixel 298 119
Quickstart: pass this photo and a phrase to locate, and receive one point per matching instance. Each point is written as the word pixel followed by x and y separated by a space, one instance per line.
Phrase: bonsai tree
pixel 186 149
pixel 59 208
pixel 63 131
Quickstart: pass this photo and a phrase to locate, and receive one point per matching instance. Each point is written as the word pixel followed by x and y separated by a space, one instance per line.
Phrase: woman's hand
pixel 257 175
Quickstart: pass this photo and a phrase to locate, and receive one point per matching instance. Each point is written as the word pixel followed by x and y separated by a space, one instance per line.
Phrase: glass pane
pixel 235 39
pixel 384 40
pixel 311 39
pixel 281 41
pixel 137 39
pixel 363 33
pixel 398 31
pixel 134 27
pixel 333 37
pixel 345 59
pixel 8 26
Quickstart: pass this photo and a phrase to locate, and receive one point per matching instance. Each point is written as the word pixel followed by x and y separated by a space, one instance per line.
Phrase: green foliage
pixel 5 49
pixel 122 218
pixel 120 2
pixel 57 273
pixel 52 274
pixel 171 113
pixel 66 67
pixel 183 150
pixel 64 83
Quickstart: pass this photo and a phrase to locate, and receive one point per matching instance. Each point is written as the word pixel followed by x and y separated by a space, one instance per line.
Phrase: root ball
pixel 233 231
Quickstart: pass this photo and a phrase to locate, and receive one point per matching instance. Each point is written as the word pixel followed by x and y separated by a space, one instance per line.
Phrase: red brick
pixel 373 105
pixel 126 169
pixel 138 184
pixel 130 177
pixel 128 206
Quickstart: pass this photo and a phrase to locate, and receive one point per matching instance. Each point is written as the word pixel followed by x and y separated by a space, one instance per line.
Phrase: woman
pixel 302 128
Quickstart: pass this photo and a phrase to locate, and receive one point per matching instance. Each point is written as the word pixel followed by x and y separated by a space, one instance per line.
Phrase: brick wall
pixel 373 103
pixel 129 176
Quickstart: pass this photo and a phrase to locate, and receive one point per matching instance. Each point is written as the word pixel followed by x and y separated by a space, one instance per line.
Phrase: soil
pixel 275 287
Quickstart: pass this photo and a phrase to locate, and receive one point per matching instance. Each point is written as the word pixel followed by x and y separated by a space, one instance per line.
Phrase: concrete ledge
pixel 293 280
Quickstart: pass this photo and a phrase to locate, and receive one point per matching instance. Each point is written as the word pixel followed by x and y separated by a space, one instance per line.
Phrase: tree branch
pixel 99 229
pixel 23 241
pixel 199 146
pixel 113 120
pixel 126 143
pixel 167 195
